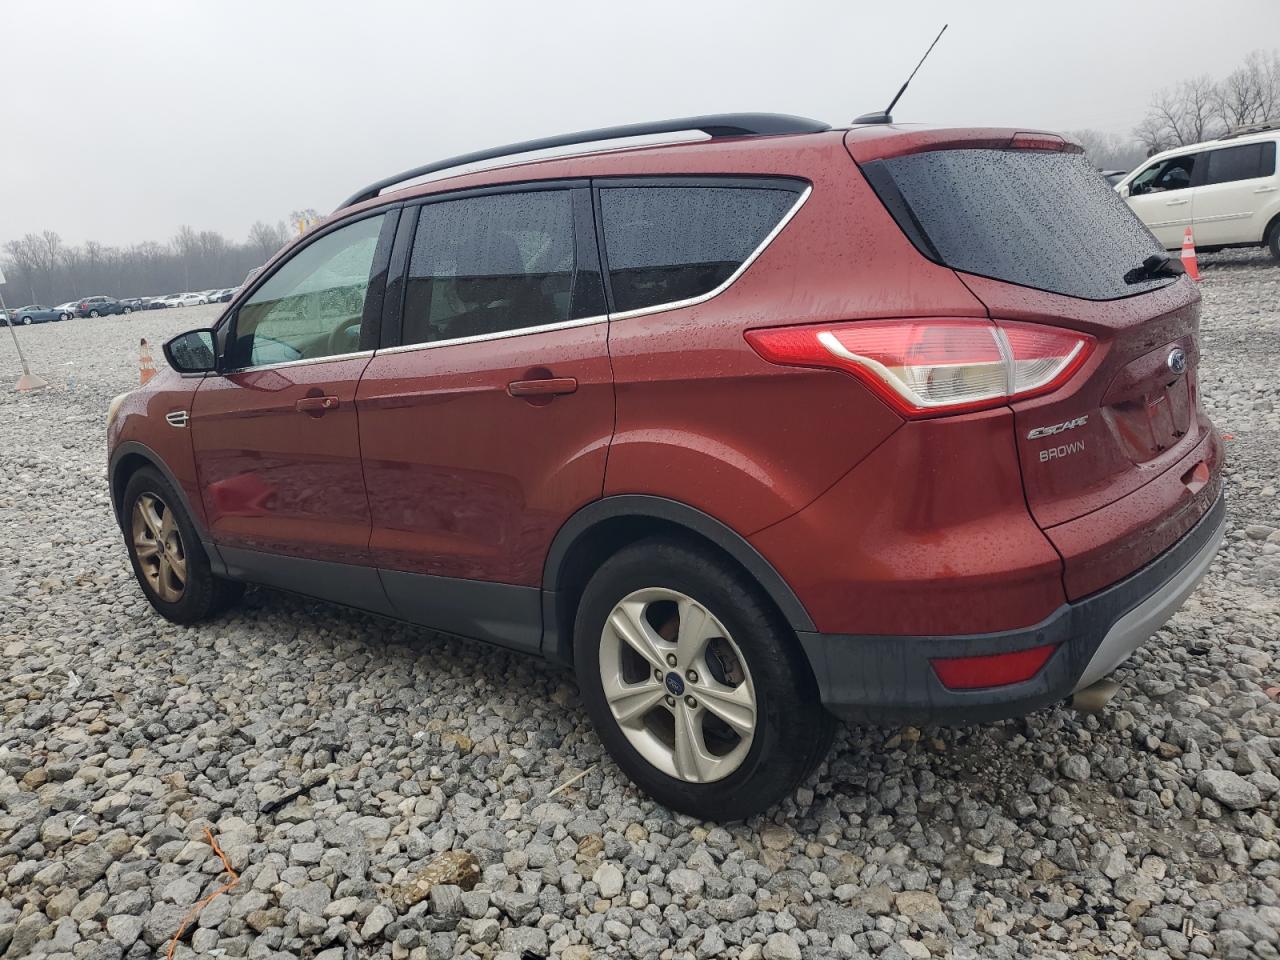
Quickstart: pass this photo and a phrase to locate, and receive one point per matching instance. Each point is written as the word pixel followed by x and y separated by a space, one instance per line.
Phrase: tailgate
pixel 1117 462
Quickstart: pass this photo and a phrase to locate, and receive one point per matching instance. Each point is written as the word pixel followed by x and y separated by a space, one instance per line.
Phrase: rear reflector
pixel 936 366
pixel 993 670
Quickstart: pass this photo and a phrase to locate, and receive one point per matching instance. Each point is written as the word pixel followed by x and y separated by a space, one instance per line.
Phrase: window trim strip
pixel 499 335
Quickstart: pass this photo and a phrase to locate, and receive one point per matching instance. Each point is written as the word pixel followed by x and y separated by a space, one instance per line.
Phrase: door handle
pixel 1265 190
pixel 546 387
pixel 316 404
pixel 1176 203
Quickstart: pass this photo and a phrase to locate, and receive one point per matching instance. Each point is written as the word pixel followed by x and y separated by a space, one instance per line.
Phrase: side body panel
pixel 704 421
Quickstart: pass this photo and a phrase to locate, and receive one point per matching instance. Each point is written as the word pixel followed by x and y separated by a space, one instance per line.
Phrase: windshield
pixel 1031 217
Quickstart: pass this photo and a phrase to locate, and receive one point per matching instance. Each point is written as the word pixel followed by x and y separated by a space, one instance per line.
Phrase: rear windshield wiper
pixel 1155 266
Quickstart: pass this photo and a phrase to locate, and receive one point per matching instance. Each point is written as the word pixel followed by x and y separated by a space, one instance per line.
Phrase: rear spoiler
pixel 884 141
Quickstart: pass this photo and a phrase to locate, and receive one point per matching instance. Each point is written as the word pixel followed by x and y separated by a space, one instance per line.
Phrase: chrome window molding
pixel 306 361
pixel 729 281
pixel 499 335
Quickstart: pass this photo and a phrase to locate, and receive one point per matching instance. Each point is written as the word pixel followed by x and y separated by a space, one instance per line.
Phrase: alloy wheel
pixel 157 544
pixel 677 685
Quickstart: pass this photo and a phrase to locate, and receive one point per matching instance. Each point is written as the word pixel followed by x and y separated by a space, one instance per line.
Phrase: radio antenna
pixel 885 116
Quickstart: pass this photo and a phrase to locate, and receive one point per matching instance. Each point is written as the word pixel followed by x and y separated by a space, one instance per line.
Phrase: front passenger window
pixel 312 306
pixel 1172 174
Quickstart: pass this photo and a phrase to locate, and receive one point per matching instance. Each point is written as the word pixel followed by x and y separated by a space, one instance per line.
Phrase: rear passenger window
pixel 1244 162
pixel 667 243
pixel 490 264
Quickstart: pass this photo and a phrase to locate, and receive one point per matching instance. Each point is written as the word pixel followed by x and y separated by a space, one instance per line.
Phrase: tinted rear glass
pixel 1031 217
pixel 1241 163
pixel 670 243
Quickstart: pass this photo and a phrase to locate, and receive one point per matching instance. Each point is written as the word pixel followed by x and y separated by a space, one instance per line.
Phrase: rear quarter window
pixel 667 243
pixel 1034 218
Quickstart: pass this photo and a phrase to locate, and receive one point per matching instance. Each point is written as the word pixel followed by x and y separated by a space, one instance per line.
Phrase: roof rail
pixel 1245 129
pixel 714 125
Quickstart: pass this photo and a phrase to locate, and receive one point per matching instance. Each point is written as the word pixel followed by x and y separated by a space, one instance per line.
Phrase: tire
pixel 64 316
pixel 26 321
pixel 1273 241
pixel 202 594
pixel 128 310
pixel 93 313
pixel 752 654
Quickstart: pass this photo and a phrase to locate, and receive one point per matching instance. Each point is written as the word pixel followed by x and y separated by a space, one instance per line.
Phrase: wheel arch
pixel 603 527
pixel 1272 225
pixel 126 460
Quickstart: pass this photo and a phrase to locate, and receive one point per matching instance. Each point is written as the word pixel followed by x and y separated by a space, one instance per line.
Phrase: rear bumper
pixel 890 678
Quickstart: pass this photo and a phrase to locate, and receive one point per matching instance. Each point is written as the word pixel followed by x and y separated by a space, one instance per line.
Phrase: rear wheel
pixel 128 310
pixel 168 559
pixel 697 686
pixel 93 313
pixel 1273 241
pixel 26 321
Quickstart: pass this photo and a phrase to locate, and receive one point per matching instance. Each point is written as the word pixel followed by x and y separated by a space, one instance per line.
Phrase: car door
pixel 485 423
pixel 1232 203
pixel 275 439
pixel 1161 195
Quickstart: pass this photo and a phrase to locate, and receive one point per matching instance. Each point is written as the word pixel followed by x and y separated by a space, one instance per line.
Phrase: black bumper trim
pixel 881 678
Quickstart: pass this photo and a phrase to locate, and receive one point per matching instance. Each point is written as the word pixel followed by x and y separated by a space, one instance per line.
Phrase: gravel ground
pixel 386 792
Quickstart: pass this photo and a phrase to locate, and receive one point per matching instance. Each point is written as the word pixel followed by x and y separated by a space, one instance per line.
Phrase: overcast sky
pixel 124 119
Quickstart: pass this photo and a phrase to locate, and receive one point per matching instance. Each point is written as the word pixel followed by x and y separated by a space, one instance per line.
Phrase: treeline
pixel 40 268
pixel 1195 110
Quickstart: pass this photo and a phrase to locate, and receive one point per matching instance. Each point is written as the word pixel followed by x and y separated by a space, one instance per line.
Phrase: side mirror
pixel 1123 191
pixel 192 352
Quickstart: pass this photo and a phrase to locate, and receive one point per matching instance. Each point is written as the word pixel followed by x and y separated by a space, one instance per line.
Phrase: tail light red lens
pixel 936 366
pixel 993 670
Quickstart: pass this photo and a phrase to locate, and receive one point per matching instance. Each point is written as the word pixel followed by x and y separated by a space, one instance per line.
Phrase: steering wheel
pixel 345 337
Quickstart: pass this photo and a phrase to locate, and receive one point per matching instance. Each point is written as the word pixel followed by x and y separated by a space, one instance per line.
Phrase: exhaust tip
pixel 1095 697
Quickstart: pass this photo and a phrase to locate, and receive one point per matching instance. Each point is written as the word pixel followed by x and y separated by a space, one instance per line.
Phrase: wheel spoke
pixel 693 761
pixel 631 701
pixel 144 548
pixel 696 628
pixel 167 526
pixel 147 510
pixel 627 621
pixel 735 706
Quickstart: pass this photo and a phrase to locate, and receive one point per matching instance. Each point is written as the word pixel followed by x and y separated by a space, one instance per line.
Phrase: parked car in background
pixel 38 313
pixel 187 300
pixel 133 303
pixel 1113 176
pixel 222 296
pixel 940 492
pixel 160 302
pixel 69 308
pixel 101 307
pixel 1227 191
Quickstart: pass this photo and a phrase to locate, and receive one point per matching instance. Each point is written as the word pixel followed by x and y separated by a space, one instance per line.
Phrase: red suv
pixel 752 431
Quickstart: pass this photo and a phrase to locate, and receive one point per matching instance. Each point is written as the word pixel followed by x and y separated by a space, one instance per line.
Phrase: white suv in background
pixel 1226 190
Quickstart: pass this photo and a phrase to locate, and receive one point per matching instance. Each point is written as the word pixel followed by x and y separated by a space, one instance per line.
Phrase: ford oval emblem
pixel 1177 361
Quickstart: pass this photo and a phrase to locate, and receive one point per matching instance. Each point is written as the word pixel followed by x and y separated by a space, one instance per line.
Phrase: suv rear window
pixel 1031 217
pixel 671 242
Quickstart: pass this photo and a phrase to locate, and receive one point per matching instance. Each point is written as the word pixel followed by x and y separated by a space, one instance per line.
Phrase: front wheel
pixel 26 321
pixel 128 310
pixel 697 686
pixel 64 316
pixel 93 313
pixel 168 559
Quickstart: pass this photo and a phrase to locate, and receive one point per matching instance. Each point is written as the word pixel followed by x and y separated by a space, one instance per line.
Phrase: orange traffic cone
pixel 1189 256
pixel 146 362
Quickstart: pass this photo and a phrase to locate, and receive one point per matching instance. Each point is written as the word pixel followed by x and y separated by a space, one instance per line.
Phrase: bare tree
pixel 185 243
pixel 1202 109
pixel 1109 151
pixel 1251 93
pixel 267 239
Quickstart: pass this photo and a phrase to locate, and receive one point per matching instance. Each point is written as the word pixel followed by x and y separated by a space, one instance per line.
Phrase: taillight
pixel 932 367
